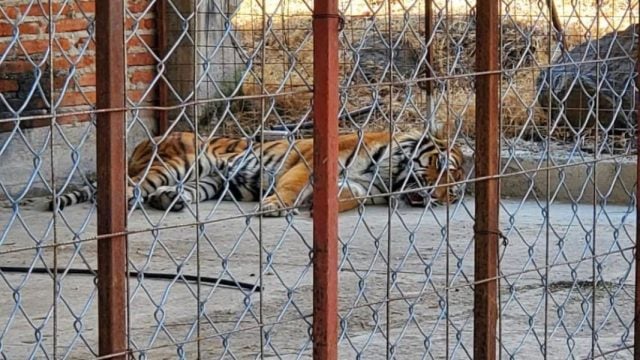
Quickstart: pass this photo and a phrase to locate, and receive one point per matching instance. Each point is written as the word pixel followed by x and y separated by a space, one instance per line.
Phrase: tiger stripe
pixel 164 177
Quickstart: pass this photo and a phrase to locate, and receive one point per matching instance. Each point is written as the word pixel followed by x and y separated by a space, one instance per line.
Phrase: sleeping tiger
pixel 231 169
pixel 160 162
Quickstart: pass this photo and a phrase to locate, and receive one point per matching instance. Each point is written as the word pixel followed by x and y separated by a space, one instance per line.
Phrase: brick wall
pixel 25 63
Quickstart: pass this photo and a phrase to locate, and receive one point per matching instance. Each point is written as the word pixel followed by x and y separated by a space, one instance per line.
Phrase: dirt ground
pixel 424 257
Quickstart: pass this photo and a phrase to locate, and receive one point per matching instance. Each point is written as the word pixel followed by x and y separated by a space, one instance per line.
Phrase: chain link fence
pixel 210 238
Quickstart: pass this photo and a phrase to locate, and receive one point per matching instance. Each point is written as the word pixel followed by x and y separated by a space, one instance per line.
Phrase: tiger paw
pixel 273 207
pixel 168 198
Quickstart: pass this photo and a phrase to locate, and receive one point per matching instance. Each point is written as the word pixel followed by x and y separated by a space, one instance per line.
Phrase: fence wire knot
pixel 193 111
pixel 500 234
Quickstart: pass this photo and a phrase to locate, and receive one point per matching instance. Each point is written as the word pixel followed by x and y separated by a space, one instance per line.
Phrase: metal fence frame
pixel 112 208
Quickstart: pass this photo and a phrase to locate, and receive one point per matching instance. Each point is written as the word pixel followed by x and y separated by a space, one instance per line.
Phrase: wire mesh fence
pixel 211 178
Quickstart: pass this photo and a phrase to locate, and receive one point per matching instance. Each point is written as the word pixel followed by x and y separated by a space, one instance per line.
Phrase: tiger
pixel 162 161
pixel 415 162
pixel 231 169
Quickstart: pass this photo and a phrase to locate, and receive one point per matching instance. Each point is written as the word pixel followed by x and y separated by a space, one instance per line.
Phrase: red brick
pixel 61 63
pixel 136 95
pixel 140 59
pixel 13 52
pixel 136 41
pixel 32 28
pixel 8 86
pixel 23 28
pixel 58 82
pixel 70 25
pixel 139 6
pixel 142 76
pixel 149 24
pixel 12 12
pixel 145 24
pixel 77 98
pixel 82 42
pixel 59 8
pixel 31 46
pixel 6 29
pixel 88 7
pixel 88 79
pixel 35 46
pixel 62 44
pixel 37 10
pixel 15 67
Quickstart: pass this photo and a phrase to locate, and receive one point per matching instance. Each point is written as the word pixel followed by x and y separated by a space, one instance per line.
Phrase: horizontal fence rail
pixel 328 179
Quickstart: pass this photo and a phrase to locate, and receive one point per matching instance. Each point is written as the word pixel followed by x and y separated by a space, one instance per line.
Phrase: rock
pixel 574 86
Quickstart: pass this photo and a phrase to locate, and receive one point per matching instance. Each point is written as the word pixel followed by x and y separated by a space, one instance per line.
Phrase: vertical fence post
pixel 325 185
pixel 636 349
pixel 487 162
pixel 163 90
pixel 110 147
pixel 428 33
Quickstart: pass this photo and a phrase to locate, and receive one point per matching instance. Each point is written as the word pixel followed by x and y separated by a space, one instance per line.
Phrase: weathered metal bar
pixel 326 24
pixel 636 349
pixel 163 90
pixel 110 148
pixel 428 33
pixel 487 162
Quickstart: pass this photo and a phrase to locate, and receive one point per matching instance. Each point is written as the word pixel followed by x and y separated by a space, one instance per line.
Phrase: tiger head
pixel 438 175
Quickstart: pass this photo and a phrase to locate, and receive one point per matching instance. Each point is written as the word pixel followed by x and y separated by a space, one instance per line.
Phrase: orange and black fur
pixel 232 170
pixel 163 161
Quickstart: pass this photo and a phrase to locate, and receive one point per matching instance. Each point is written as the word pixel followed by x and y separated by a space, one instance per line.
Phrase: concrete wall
pixel 218 60
pixel 26 161
pixel 615 178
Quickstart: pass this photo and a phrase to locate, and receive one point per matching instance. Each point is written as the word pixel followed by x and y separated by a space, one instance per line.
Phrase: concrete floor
pixel 424 258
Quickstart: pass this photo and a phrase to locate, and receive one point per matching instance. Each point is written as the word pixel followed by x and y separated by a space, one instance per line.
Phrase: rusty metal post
pixel 325 185
pixel 110 148
pixel 163 91
pixel 428 33
pixel 487 162
pixel 636 349
pixel 428 84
